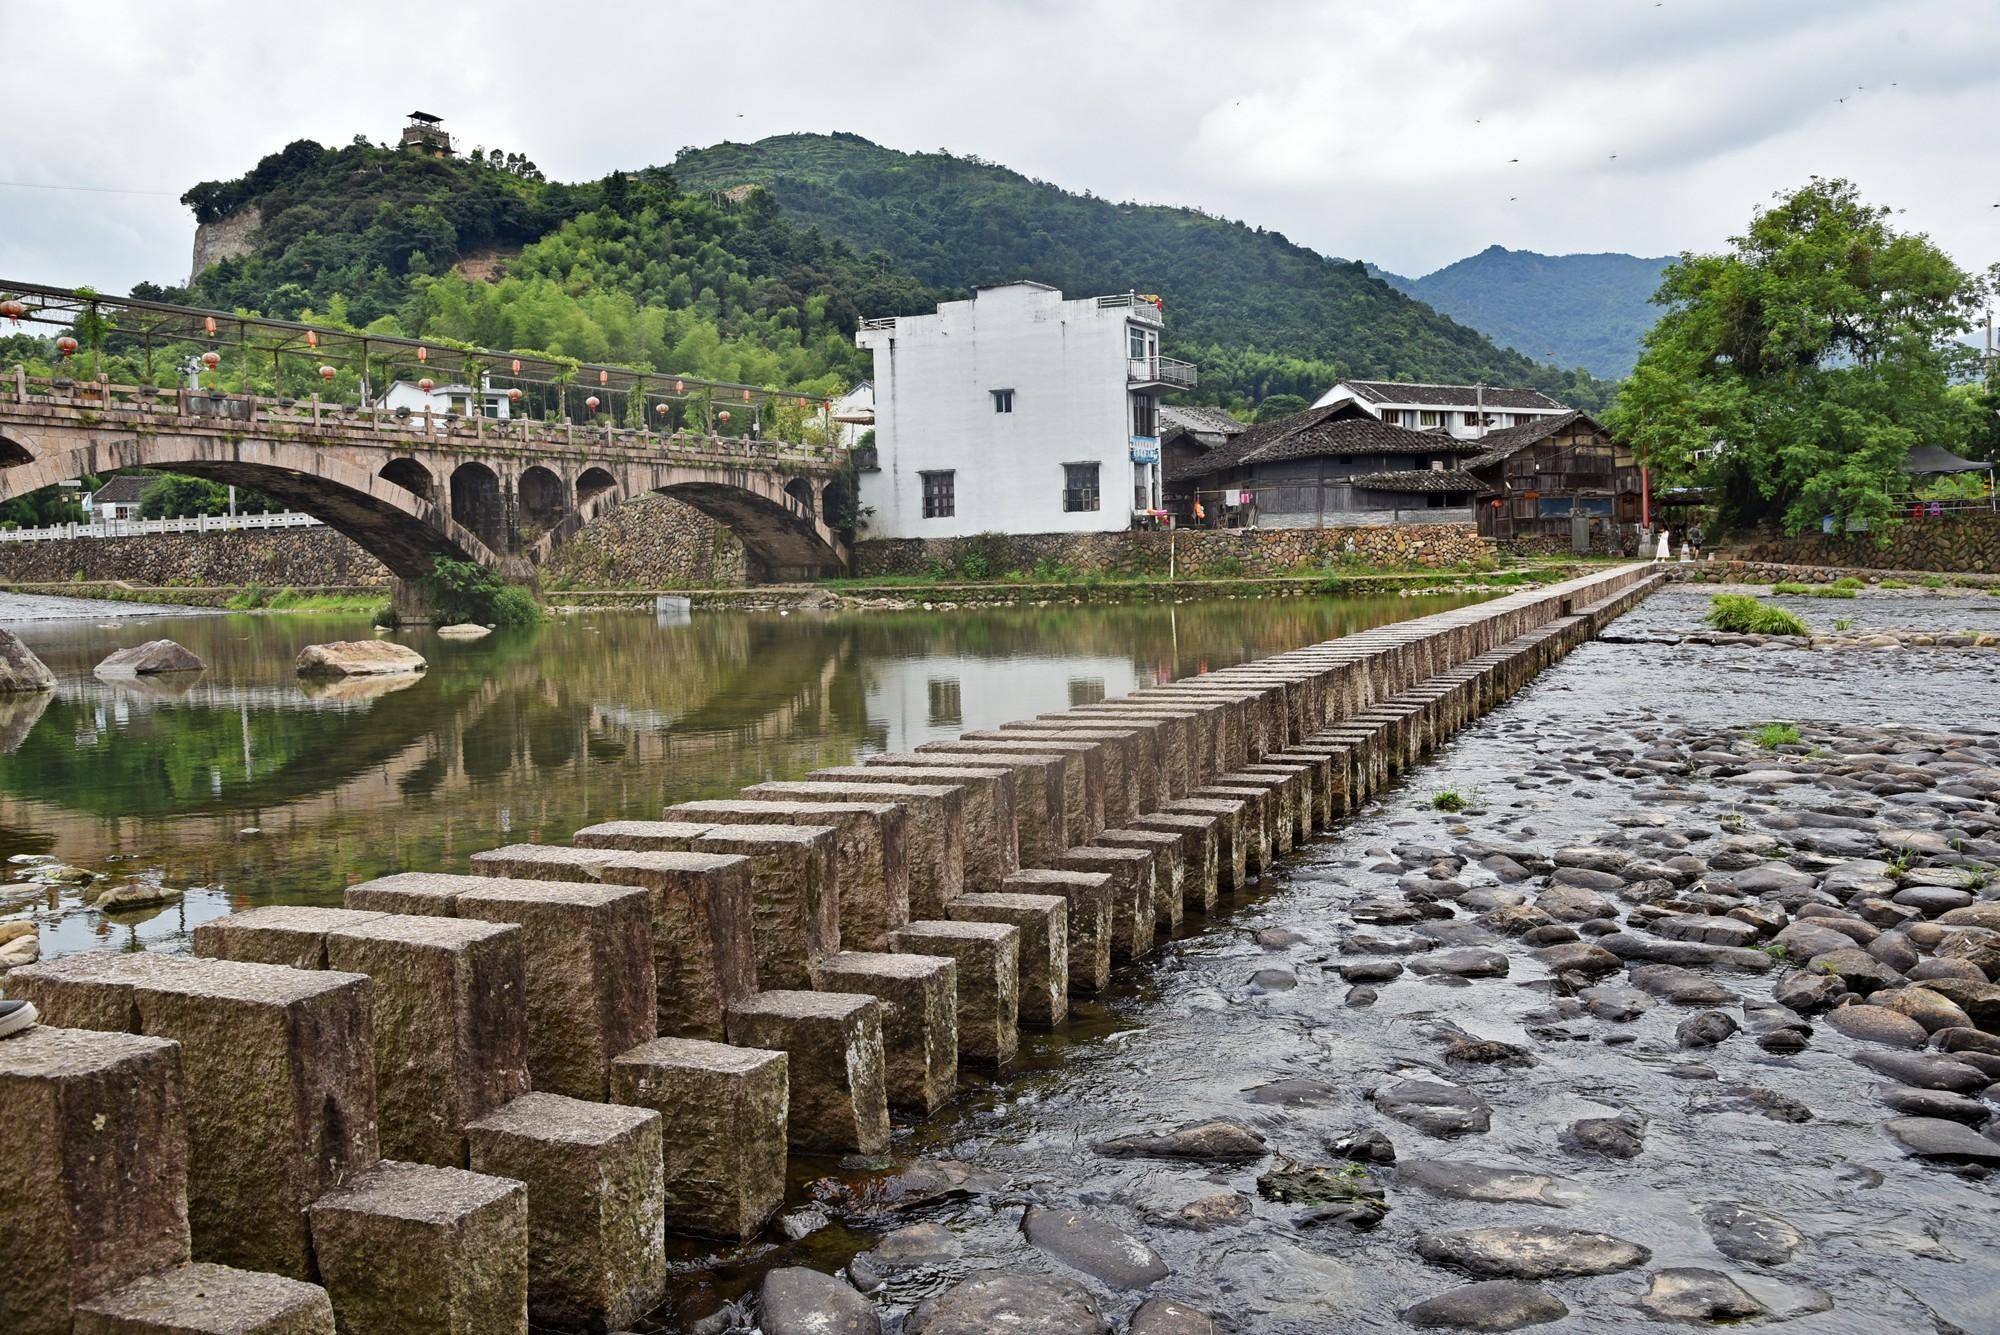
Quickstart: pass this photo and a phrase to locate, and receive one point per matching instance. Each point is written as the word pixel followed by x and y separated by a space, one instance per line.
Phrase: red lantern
pixel 604 377
pixel 591 403
pixel 211 360
pixel 660 408
pixel 513 396
pixel 66 346
pixel 425 384
pixel 517 366
pixel 327 373
pixel 13 310
pixel 208 325
pixel 312 339
pixel 723 417
pixel 423 353
pixel 746 396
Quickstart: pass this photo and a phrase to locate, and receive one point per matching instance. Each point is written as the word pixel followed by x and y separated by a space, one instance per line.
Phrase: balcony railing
pixel 1160 371
pixel 880 322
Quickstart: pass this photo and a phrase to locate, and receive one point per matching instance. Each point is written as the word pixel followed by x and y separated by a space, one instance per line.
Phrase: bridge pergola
pixel 245 342
pixel 410 486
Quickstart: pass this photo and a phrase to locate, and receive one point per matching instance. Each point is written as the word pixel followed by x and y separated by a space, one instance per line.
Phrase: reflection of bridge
pixel 409 487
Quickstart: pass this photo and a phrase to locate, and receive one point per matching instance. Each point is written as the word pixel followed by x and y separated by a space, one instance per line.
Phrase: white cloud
pixel 1370 129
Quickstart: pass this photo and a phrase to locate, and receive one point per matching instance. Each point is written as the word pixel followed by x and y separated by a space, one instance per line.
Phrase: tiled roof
pixel 125 489
pixel 1419 479
pixel 1497 445
pixel 1449 396
pixel 1205 421
pixel 1316 433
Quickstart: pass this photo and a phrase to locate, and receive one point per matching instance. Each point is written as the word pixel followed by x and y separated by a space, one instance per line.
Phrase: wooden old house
pixel 1537 480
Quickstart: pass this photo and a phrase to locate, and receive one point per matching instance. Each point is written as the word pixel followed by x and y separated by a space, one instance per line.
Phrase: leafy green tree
pixel 1281 405
pixel 1793 373
pixel 173 496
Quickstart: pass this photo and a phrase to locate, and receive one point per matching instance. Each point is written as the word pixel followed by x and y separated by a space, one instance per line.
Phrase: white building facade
pixel 1017 412
pixel 1464 412
pixel 442 399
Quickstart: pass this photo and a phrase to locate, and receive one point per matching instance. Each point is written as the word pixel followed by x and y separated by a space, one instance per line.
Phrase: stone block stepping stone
pixel 991 847
pixel 833 1045
pixel 1493 1304
pixel 1537 1251
pixel 1134 920
pixel 704 957
pixel 724 1162
pixel 1043 920
pixel 1169 870
pixel 203 1299
pixel 989 977
pixel 95 1162
pixel 919 998
pixel 1434 1107
pixel 412 1249
pixel 1088 897
pixel 596 1204
pixel 1097 1247
pixel 1017 1304
pixel 149 659
pixel 1201 844
pixel 587 955
pixel 933 828
pixel 359 658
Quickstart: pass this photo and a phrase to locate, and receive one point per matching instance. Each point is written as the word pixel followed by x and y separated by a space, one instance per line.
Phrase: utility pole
pixel 1479 397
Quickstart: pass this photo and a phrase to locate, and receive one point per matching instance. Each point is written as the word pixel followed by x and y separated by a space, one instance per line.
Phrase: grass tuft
pixel 1773 735
pixel 1744 615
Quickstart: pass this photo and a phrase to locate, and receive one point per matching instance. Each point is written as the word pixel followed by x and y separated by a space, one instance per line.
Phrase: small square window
pixel 1003 400
pixel 1079 487
pixel 940 494
pixel 1427 419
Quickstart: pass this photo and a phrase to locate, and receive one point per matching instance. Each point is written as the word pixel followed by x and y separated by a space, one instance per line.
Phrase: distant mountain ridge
pixel 1587 310
pixel 1261 314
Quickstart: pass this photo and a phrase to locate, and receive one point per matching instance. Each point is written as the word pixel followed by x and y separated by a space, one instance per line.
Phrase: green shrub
pixel 1835 590
pixel 1775 735
pixel 1448 799
pixel 973 566
pixel 1744 615
pixel 1843 623
pixel 1893 584
pixel 252 596
pixel 465 591
pixel 1935 581
pixel 1848 582
pixel 1228 567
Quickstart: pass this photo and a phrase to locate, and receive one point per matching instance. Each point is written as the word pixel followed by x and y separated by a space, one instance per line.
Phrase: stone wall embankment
pixel 1772 572
pixel 652 542
pixel 1965 541
pixel 275 558
pixel 1196 553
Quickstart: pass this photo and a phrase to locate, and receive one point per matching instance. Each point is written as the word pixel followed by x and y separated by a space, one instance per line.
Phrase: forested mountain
pixel 1576 310
pixel 629 269
pixel 1261 314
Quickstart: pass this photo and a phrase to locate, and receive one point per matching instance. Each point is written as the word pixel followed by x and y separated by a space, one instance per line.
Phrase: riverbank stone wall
pixel 1965 541
pixel 274 1098
pixel 1196 553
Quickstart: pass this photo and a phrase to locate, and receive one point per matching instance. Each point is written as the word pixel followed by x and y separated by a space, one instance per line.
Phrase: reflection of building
pixel 442 399
pixel 1017 412
pixel 1455 410
pixel 932 698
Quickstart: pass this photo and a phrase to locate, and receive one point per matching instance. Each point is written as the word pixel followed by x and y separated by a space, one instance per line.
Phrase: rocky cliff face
pixel 225 238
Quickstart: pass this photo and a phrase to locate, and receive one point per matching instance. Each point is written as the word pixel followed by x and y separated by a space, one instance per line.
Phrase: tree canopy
pixel 1792 373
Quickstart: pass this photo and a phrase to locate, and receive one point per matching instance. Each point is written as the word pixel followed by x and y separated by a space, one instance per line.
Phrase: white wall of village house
pixel 934 378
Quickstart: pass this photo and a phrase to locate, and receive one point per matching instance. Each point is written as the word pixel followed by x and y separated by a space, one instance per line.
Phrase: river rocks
pixel 150 659
pixel 1226 1207
pixel 1582 958
pixel 1477 1182
pixel 1471 962
pixel 464 630
pixel 1808 993
pixel 1923 1070
pixel 1537 1251
pixel 1705 1030
pixel 1630 946
pixel 1620 1137
pixel 1746 1233
pixel 1706 930
pixel 1678 985
pixel 1857 969
pixel 1017 1304
pixel 1434 1107
pixel 1266 981
pixel 1766 1103
pixel 359 658
pixel 20 670
pixel 1690 1293
pixel 135 896
pixel 797 1301
pixel 1877 1024
pixel 1944 1141
pixel 1979 1000
pixel 1617 1005
pixel 1169 1316
pixel 1094 1246
pixel 1216 1141
pixel 1493 1304
pixel 1571 903
pixel 1369 971
pixel 1927 1008
pixel 1348 1195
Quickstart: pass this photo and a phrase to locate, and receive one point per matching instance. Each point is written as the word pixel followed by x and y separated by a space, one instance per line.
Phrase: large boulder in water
pixel 359 658
pixel 20 670
pixel 149 659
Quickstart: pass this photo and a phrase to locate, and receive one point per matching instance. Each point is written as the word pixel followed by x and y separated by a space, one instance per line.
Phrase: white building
pixel 444 399
pixel 1452 409
pixel 1017 412
pixel 854 415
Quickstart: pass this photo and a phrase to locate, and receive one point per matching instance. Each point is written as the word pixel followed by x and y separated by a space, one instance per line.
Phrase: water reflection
pixel 241 783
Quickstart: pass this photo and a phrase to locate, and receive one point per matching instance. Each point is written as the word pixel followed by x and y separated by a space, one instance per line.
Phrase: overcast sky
pixel 1374 129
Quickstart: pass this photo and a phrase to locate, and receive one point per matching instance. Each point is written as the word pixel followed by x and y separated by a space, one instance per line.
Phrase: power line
pixel 91 189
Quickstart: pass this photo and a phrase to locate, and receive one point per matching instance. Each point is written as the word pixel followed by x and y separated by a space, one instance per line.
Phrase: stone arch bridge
pixel 411 487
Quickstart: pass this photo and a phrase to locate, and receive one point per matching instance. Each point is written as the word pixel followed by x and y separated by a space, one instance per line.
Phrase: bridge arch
pixel 780 539
pixel 544 498
pixel 593 482
pixel 403 531
pixel 13 454
pixel 477 505
pixel 411 476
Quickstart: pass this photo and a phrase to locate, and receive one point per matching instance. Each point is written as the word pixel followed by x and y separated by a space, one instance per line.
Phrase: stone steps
pixel 465 1101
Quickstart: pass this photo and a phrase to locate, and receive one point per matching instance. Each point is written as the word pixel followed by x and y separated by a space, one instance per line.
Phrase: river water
pixel 244 788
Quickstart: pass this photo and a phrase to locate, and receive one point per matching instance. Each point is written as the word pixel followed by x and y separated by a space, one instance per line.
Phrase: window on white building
pixel 940 494
pixel 1138 343
pixel 1003 400
pixel 1145 415
pixel 1079 487
pixel 1427 419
